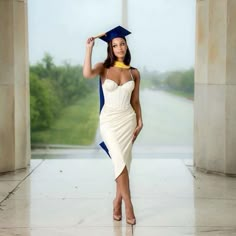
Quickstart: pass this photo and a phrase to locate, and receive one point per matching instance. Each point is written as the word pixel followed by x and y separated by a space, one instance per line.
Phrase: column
pixel 14 86
pixel 124 13
pixel 215 87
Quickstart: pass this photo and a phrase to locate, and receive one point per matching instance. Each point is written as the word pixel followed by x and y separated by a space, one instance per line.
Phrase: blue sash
pixel 101 96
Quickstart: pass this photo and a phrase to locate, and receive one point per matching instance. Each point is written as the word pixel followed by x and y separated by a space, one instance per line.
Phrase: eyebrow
pixel 117 43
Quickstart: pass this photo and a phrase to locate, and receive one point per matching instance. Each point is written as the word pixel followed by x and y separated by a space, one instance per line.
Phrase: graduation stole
pixel 121 64
pixel 102 100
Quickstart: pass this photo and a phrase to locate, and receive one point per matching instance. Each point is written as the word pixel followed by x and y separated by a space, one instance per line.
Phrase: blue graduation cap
pixel 117 32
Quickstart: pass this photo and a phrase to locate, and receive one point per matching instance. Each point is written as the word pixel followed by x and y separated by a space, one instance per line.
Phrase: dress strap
pixel 107 73
pixel 131 74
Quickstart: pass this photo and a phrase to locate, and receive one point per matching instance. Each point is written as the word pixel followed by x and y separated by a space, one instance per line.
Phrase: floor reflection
pixel 74 197
pixel 118 230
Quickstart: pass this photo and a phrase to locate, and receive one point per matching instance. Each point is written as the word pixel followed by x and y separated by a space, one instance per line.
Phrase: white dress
pixel 118 122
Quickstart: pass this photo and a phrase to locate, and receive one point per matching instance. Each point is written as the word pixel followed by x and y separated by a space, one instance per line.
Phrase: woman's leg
pixel 124 189
pixel 117 202
pixel 118 198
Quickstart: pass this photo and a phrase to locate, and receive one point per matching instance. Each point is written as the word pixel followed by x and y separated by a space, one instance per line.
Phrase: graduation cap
pixel 117 32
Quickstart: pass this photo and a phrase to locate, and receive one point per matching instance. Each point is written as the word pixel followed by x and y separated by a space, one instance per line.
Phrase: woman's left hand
pixel 136 132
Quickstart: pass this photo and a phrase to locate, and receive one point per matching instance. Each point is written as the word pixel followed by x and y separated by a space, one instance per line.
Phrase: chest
pixel 118 75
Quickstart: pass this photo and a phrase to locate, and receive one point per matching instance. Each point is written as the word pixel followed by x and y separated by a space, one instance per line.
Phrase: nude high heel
pixel 116 215
pixel 130 221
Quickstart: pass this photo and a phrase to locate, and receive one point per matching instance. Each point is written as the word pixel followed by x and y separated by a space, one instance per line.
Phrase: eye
pixel 114 46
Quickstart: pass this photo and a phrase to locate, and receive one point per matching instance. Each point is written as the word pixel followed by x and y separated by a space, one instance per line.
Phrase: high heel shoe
pixel 116 215
pixel 131 221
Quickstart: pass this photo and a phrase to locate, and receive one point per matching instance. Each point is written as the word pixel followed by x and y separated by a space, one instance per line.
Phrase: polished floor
pixel 63 193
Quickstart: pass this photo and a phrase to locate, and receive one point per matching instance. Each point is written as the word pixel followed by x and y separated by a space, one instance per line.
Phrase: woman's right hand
pixel 90 42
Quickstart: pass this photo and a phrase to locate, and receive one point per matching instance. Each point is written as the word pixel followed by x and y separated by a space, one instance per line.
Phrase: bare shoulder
pixel 136 73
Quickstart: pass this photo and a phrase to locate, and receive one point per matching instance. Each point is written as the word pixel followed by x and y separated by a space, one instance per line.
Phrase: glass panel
pixel 64 106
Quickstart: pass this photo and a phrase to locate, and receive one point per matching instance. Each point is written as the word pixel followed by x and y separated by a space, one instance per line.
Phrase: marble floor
pixel 68 194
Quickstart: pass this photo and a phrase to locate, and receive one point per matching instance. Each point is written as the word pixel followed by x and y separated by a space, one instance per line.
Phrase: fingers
pixel 135 134
pixel 134 138
pixel 89 40
pixel 137 131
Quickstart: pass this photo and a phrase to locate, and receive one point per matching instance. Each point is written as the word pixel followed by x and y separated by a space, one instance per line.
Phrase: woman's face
pixel 119 47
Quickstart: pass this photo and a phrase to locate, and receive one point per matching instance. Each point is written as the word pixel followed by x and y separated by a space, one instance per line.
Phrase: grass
pixel 76 125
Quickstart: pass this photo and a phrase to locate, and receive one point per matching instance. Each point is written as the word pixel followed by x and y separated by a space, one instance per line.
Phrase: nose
pixel 120 48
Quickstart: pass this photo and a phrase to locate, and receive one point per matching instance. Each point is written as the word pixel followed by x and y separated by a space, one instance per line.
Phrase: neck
pixel 118 58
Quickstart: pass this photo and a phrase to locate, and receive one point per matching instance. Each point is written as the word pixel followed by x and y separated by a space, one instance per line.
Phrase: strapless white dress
pixel 118 122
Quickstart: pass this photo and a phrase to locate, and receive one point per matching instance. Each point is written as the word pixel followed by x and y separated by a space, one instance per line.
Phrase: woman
pixel 120 117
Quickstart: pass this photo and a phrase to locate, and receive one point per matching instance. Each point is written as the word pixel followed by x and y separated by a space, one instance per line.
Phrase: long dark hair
pixel 111 58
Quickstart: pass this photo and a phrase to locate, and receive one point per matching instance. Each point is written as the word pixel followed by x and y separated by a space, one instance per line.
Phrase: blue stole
pixel 101 96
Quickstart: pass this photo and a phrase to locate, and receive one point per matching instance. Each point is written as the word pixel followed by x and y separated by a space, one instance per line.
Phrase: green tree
pixel 181 80
pixel 53 88
pixel 44 103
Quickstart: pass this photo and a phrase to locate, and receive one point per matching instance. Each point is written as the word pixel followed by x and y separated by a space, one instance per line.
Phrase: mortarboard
pixel 116 32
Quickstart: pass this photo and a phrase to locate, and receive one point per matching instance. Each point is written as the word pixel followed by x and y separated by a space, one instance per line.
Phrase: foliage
pixel 44 102
pixel 181 81
pixel 52 88
pixel 76 124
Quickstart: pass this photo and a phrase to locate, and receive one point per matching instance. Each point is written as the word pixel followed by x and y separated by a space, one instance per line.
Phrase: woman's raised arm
pixel 88 71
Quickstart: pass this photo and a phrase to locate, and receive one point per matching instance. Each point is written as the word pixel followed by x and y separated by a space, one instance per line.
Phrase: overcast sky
pixel 163 31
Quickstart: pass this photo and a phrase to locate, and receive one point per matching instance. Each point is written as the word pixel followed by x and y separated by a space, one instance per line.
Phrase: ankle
pixel 128 204
pixel 116 205
pixel 117 201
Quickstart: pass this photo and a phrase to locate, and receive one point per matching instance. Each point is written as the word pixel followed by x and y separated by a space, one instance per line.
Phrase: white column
pixel 14 86
pixel 125 13
pixel 215 87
